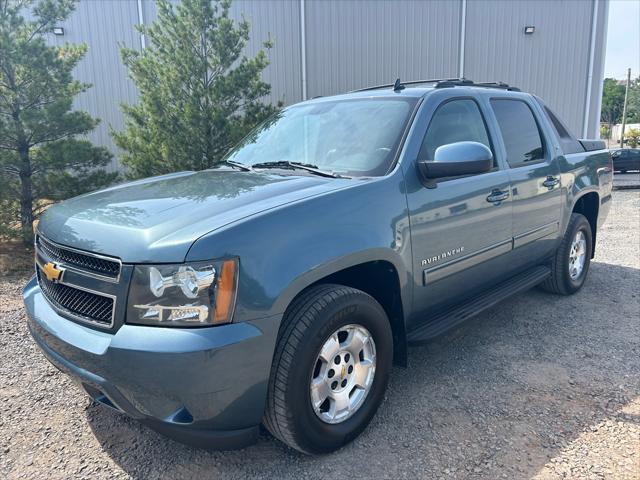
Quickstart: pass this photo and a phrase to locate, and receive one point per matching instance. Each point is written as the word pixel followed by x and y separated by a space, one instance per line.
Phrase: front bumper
pixel 206 387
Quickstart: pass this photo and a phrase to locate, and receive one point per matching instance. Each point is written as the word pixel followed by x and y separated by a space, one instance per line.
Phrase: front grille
pixel 74 258
pixel 86 305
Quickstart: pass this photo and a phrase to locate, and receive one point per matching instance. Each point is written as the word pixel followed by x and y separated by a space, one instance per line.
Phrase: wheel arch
pixel 376 276
pixel 588 204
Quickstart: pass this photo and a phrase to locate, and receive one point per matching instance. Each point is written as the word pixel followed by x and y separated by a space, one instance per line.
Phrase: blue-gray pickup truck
pixel 280 287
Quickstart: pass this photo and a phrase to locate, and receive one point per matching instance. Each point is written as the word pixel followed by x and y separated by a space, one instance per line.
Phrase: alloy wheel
pixel 343 373
pixel 577 255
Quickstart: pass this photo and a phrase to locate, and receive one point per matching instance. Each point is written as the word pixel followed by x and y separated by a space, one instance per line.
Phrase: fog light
pixel 162 313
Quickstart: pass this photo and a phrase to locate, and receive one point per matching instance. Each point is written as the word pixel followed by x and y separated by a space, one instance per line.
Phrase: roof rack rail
pixel 398 83
pixel 442 83
pixel 454 83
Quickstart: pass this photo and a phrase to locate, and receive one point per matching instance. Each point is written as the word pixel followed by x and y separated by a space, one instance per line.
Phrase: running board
pixel 457 314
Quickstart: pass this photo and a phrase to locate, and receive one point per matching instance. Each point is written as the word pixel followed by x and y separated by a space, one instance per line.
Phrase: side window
pixel 568 141
pixel 454 121
pixel 519 130
pixel 557 124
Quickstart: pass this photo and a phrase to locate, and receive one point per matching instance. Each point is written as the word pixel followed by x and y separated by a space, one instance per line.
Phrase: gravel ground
pixel 538 387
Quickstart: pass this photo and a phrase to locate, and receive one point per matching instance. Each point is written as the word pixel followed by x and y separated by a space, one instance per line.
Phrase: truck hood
pixel 158 219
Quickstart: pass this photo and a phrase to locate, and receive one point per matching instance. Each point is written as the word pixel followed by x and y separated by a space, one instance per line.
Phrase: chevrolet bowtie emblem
pixel 52 272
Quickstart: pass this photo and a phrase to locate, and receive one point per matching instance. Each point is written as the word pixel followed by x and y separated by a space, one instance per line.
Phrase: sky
pixel 623 39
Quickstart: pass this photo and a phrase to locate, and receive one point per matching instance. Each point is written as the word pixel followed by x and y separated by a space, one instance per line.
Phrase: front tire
pixel 570 264
pixel 330 370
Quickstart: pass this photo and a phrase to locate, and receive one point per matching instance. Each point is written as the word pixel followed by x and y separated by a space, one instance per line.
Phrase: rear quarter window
pixel 568 142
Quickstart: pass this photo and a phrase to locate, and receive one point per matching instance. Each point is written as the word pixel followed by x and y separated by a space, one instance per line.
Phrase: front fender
pixel 284 250
pixel 331 266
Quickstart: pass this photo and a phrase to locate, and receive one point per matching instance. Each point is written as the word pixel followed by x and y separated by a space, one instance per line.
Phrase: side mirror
pixel 454 159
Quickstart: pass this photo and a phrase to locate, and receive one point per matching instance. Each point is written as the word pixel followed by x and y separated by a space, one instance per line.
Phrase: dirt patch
pixel 16 259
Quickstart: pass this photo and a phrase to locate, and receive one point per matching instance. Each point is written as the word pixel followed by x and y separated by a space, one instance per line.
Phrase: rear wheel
pixel 570 264
pixel 331 368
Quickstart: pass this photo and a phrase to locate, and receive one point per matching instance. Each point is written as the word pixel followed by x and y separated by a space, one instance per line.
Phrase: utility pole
pixel 624 108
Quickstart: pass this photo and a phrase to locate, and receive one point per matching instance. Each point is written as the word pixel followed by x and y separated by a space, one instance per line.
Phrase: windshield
pixel 356 137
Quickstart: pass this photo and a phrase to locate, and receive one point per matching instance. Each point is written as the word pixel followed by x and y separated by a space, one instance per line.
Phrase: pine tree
pixel 199 95
pixel 42 160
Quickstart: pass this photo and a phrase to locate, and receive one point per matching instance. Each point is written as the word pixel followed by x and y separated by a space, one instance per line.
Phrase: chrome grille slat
pixel 91 311
pixel 89 306
pixel 74 302
pixel 91 263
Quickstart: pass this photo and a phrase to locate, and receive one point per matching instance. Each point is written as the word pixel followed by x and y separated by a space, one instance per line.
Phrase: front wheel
pixel 570 264
pixel 331 368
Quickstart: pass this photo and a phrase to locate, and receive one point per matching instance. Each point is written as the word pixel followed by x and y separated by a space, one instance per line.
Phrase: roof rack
pixel 397 85
pixel 500 85
pixel 441 83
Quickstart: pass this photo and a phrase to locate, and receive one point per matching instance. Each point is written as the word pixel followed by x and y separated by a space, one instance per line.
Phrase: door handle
pixel 550 182
pixel 496 196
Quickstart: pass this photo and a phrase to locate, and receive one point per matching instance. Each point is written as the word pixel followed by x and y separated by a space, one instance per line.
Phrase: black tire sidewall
pixel 579 223
pixel 314 435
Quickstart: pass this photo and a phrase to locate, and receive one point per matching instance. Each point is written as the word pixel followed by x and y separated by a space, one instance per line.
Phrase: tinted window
pixel 519 130
pixel 557 124
pixel 568 141
pixel 454 121
pixel 354 137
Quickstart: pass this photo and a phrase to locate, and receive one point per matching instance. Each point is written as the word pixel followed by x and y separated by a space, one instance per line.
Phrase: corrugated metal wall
pixel 102 26
pixel 356 43
pixel 551 63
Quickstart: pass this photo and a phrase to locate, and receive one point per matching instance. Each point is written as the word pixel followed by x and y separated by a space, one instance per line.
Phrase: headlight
pixel 184 295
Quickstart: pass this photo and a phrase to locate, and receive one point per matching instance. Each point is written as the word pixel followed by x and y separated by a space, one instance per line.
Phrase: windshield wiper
pixel 297 165
pixel 239 165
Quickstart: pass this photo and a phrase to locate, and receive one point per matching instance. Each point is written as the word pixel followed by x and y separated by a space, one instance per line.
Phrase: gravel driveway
pixel 538 387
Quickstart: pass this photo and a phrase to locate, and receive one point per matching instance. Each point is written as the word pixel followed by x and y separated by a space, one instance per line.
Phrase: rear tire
pixel 570 263
pixel 323 322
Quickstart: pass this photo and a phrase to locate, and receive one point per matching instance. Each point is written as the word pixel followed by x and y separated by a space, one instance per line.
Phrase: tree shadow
pixel 501 395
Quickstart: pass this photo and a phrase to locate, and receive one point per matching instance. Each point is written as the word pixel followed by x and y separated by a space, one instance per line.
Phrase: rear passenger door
pixel 634 159
pixel 535 179
pixel 624 159
pixel 627 160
